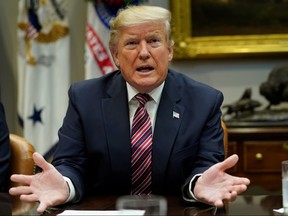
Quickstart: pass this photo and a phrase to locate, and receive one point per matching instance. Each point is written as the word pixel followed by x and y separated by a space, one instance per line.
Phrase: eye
pixel 154 42
pixel 131 44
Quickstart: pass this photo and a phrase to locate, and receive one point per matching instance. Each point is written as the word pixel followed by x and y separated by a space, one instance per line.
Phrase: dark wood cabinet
pixel 260 150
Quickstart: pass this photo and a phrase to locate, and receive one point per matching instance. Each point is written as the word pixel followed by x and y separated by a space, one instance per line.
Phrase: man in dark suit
pixel 94 151
pixel 4 151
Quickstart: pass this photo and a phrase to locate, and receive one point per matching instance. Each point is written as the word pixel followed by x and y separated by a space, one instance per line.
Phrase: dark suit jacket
pixel 94 141
pixel 4 151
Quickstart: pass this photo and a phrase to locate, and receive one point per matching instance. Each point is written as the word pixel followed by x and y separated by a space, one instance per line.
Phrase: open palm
pixel 47 187
pixel 215 185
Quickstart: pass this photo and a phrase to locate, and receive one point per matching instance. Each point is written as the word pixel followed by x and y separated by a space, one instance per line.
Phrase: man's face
pixel 143 55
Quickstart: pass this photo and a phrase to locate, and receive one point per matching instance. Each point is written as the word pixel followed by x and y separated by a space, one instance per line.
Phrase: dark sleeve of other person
pixel 4 152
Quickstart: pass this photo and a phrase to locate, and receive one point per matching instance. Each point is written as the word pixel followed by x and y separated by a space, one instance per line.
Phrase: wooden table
pixel 243 205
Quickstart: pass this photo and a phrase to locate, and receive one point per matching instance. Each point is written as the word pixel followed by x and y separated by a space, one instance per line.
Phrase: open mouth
pixel 145 69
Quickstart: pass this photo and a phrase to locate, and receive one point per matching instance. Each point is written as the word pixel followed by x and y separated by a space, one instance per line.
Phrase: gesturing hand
pixel 215 186
pixel 47 187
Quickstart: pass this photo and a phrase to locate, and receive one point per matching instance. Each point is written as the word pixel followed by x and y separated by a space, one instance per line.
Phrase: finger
pixel 41 208
pixel 241 180
pixel 233 195
pixel 22 179
pixel 228 162
pixel 20 190
pixel 29 198
pixel 227 197
pixel 230 196
pixel 41 162
pixel 218 203
pixel 239 188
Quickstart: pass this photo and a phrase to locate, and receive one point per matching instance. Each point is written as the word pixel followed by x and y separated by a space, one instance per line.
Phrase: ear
pixel 170 55
pixel 115 57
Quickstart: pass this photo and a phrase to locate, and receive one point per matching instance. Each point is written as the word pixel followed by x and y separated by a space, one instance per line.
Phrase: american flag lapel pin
pixel 176 115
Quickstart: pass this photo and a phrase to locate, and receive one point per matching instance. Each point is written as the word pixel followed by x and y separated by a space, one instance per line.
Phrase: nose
pixel 144 51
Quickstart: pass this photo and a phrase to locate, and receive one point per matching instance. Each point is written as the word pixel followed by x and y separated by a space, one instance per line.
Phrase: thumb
pixel 229 162
pixel 41 162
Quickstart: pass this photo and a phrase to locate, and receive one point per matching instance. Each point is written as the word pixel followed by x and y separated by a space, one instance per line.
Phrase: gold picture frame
pixel 188 46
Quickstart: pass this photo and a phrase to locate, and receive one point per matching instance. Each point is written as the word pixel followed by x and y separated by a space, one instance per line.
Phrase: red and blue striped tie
pixel 141 140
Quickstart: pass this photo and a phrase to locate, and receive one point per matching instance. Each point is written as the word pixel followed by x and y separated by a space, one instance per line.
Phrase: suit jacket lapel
pixel 169 117
pixel 116 117
pixel 117 126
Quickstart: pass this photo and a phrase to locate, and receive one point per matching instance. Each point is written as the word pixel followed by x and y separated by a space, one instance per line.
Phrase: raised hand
pixel 215 185
pixel 47 187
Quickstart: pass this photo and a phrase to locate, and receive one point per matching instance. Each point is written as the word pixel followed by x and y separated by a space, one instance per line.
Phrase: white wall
pixel 231 76
pixel 8 46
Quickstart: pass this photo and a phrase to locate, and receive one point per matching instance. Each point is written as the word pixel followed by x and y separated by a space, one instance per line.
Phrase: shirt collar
pixel 155 94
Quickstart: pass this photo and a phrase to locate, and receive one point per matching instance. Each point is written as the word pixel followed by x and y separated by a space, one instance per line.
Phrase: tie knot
pixel 142 98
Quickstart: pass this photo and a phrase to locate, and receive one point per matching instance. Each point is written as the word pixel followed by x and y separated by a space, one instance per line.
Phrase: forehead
pixel 143 29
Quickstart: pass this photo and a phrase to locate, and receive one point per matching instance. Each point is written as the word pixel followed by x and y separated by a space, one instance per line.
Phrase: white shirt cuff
pixel 72 192
pixel 191 195
pixel 190 186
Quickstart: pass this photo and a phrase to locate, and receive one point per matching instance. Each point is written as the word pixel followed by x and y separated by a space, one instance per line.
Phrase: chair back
pixel 21 162
pixel 225 138
pixel 225 142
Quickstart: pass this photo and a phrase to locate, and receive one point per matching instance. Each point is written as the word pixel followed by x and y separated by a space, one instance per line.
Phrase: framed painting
pixel 229 28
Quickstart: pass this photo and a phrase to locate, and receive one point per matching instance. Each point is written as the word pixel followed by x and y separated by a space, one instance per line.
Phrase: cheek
pixel 163 60
pixel 125 58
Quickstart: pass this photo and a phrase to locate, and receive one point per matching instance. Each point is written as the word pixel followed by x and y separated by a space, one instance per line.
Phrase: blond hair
pixel 133 15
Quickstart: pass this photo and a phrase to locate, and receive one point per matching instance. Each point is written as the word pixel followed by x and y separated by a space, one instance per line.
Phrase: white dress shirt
pixel 151 106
